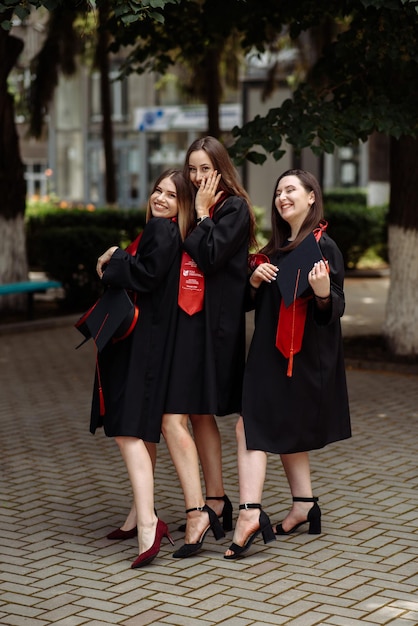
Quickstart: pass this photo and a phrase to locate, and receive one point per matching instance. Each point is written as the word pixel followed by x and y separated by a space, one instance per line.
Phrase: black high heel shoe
pixel 188 549
pixel 226 514
pixel 264 528
pixel 150 554
pixel 314 519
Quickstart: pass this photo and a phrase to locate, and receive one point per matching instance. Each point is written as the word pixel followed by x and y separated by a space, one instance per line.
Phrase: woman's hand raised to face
pixel 206 195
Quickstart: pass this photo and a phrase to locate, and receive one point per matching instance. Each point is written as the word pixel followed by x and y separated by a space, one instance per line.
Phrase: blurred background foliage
pixel 64 241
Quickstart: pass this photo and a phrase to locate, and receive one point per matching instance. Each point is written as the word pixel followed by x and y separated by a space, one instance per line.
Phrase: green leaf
pixel 22 12
pixel 256 157
pixel 158 17
pixel 130 19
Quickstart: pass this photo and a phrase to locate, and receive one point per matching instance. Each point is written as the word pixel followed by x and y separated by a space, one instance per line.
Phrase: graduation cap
pixel 112 317
pixel 295 267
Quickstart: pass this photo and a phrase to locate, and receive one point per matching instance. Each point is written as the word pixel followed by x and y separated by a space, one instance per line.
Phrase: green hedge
pixel 66 244
pixel 356 229
pixel 345 196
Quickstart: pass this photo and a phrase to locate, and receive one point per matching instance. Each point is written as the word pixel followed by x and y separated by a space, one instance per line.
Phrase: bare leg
pixel 140 471
pixel 252 471
pixel 208 443
pixel 130 520
pixel 184 455
pixel 298 474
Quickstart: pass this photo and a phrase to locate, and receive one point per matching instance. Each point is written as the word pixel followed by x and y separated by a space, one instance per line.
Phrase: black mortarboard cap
pixel 300 258
pixel 109 318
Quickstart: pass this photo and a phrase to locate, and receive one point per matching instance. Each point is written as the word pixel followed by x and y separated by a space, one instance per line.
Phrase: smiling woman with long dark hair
pixel 295 393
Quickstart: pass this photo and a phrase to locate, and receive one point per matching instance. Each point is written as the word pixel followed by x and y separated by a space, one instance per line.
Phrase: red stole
pixel 290 327
pixel 133 246
pixel 291 323
pixel 191 295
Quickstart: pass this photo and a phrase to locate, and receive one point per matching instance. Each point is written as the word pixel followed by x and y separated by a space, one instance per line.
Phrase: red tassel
pixel 101 400
pixel 290 365
pixel 101 396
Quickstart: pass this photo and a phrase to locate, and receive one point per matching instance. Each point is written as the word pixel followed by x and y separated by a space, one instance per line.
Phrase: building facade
pixel 152 128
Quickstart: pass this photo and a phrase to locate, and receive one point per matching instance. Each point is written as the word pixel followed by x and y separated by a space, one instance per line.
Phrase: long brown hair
pixel 280 229
pixel 229 182
pixel 185 215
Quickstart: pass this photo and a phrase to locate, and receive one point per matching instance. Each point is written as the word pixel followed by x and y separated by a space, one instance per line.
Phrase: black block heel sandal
pixel 188 549
pixel 264 528
pixel 314 519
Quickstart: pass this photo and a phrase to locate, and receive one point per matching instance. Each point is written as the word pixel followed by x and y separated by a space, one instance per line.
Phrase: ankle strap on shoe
pixel 216 498
pixel 196 508
pixel 305 499
pixel 248 505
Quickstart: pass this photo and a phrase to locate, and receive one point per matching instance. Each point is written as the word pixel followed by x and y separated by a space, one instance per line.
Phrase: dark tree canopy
pixel 364 81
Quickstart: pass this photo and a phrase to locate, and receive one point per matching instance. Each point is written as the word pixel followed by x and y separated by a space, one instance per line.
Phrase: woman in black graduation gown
pixel 209 354
pixel 134 372
pixel 295 393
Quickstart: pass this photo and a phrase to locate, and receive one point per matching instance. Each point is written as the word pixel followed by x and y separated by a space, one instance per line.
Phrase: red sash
pixel 291 323
pixel 191 295
pixel 290 327
pixel 133 246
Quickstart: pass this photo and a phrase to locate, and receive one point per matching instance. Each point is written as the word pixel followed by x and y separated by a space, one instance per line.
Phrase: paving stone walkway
pixel 63 489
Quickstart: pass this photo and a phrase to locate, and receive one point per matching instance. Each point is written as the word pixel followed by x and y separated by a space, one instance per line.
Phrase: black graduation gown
pixel 134 372
pixel 310 409
pixel 209 355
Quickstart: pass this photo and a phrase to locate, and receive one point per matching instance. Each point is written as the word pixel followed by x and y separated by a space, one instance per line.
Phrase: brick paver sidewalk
pixel 62 490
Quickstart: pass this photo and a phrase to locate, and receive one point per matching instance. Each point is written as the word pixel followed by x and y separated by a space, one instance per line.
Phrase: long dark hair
pixel 280 229
pixel 185 215
pixel 229 182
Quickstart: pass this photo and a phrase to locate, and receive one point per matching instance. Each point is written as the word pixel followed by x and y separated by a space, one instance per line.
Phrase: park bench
pixel 30 287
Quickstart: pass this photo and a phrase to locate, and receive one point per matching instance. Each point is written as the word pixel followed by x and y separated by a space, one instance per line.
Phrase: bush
pixel 66 244
pixel 345 196
pixel 357 228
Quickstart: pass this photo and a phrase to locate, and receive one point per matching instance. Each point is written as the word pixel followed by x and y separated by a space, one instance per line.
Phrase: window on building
pixel 37 180
pixel 119 97
pixel 348 160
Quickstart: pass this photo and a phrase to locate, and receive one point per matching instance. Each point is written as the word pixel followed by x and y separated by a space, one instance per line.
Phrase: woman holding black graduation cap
pixel 295 394
pixel 132 374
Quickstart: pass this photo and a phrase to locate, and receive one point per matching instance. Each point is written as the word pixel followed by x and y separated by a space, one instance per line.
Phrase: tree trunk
pixel 401 323
pixel 213 92
pixel 379 170
pixel 13 262
pixel 102 57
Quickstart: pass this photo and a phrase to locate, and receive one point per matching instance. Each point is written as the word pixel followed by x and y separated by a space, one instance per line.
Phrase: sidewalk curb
pixel 46 323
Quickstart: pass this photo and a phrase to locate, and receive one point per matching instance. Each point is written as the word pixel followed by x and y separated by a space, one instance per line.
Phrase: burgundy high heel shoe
pixel 314 519
pixel 118 533
pixel 150 554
